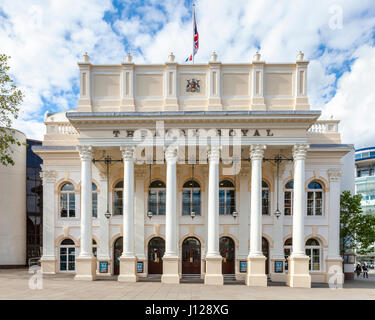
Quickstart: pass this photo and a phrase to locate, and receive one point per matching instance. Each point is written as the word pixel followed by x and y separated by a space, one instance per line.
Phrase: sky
pixel 46 39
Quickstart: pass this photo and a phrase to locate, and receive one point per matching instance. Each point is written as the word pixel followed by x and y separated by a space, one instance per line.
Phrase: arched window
pixel 227 201
pixel 265 198
pixel 67 201
pixel 117 198
pixel 94 200
pixel 191 198
pixel 156 198
pixel 288 198
pixel 67 255
pixel 287 251
pixel 313 250
pixel 314 199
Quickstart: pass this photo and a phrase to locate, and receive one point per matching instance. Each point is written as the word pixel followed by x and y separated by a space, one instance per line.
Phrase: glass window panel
pixel 118 203
pixel 230 201
pixel 63 266
pixel 265 207
pixel 161 202
pixel 95 205
pixel 221 201
pixel 152 201
pixel 67 187
pixel 197 202
pixel 72 250
pixel 71 266
pixel 186 202
pixel 72 205
pixel 64 205
pixel 62 250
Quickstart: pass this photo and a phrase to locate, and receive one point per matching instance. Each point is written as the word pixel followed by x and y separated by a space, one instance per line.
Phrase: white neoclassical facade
pixel 211 170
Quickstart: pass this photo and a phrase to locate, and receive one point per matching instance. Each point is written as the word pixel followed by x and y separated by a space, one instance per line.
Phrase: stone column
pixel 170 259
pixel 103 249
pixel 334 260
pixel 298 273
pixel 256 260
pixel 86 263
pixel 128 261
pixel 213 258
pixel 48 259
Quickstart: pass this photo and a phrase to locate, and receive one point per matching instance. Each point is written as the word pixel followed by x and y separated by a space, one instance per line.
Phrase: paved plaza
pixel 14 284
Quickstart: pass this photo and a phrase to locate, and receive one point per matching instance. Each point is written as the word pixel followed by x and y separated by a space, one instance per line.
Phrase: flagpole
pixel 193 29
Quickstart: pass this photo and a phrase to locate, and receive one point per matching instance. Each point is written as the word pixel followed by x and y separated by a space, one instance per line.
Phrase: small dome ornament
pixel 213 57
pixel 256 56
pixel 86 58
pixel 171 57
pixel 300 56
pixel 129 58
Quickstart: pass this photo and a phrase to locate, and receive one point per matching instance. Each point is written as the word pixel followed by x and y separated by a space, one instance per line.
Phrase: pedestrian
pixel 358 269
pixel 365 270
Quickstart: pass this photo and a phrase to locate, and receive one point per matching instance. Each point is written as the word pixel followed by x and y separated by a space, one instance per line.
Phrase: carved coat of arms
pixel 193 85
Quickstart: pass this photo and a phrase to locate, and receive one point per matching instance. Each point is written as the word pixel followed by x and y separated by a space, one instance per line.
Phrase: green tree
pixel 10 99
pixel 357 229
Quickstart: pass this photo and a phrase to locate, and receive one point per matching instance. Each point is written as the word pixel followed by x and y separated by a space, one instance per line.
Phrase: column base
pixel 335 274
pixel 128 269
pixel 48 265
pixel 256 276
pixel 85 269
pixel 214 275
pixel 170 270
pixel 298 273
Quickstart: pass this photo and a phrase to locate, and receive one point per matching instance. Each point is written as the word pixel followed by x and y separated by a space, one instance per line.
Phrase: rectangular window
pixel 117 205
pixel 72 205
pixel 221 201
pixel 265 206
pixel 310 203
pixel 318 203
pixel 64 205
pixel 197 202
pixel 186 202
pixel 152 201
pixel 288 203
pixel 162 199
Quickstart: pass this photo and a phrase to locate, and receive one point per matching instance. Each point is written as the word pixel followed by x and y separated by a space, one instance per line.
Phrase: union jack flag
pixel 196 39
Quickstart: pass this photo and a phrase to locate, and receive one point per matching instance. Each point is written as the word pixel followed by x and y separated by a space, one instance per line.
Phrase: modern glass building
pixel 365 185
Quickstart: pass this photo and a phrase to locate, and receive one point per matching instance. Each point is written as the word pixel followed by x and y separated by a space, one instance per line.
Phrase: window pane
pixel 197 201
pixel 62 266
pixel 161 202
pixel 287 203
pixel 117 203
pixel 72 205
pixel 221 201
pixel 95 205
pixel 152 201
pixel 310 203
pixel 232 204
pixel 265 208
pixel 316 260
pixel 185 202
pixel 64 205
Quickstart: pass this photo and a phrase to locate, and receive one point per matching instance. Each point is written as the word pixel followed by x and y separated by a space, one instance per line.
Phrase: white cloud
pixel 47 38
pixel 354 101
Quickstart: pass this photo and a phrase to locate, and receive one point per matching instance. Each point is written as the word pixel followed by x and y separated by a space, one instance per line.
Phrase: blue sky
pixel 46 39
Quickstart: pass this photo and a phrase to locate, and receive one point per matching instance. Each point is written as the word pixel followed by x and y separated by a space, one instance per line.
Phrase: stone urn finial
pixel 86 58
pixel 256 56
pixel 171 57
pixel 300 56
pixel 129 58
pixel 213 57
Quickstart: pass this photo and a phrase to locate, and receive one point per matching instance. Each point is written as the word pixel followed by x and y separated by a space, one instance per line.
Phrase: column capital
pixel 213 153
pixel 257 151
pixel 85 152
pixel 334 174
pixel 171 153
pixel 127 153
pixel 300 151
pixel 48 176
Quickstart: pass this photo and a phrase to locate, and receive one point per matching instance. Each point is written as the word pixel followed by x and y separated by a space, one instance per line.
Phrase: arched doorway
pixel 227 251
pixel 156 248
pixel 265 250
pixel 191 256
pixel 117 252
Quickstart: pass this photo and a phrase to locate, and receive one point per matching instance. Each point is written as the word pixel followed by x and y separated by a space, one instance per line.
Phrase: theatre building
pixel 213 170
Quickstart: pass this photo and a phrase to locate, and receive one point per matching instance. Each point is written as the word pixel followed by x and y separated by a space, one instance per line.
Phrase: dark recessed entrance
pixel 117 252
pixel 156 248
pixel 227 251
pixel 191 256
pixel 265 250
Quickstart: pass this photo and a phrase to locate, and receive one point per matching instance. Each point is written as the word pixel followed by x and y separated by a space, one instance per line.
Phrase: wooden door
pixel 117 252
pixel 265 250
pixel 191 256
pixel 227 251
pixel 156 248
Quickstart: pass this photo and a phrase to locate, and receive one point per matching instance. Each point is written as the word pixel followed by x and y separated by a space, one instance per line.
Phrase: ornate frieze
pixel 334 174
